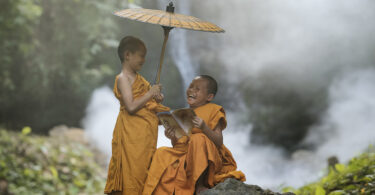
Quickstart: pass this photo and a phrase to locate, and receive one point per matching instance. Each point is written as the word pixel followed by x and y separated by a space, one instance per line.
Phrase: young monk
pixel 201 161
pixel 135 134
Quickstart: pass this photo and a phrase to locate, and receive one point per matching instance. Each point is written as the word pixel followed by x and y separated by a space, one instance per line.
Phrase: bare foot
pixel 200 184
pixel 199 189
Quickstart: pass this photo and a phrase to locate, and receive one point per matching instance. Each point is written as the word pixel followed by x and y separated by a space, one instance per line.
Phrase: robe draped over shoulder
pixel 176 170
pixel 133 143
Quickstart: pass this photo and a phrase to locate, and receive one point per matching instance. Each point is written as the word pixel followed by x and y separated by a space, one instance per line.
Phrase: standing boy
pixel 136 130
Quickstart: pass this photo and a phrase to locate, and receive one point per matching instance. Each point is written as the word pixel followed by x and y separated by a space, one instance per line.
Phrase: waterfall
pixel 266 165
pixel 346 126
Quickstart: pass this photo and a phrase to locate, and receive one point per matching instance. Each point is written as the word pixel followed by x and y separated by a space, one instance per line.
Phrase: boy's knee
pixel 160 150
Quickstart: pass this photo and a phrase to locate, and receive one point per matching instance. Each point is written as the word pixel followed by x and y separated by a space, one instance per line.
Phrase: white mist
pixel 346 130
pixel 312 42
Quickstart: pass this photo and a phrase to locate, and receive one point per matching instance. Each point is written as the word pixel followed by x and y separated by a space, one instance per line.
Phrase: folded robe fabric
pixel 133 143
pixel 176 170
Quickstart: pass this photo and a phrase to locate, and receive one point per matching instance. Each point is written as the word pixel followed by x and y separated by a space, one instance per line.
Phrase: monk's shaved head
pixel 211 83
pixel 131 44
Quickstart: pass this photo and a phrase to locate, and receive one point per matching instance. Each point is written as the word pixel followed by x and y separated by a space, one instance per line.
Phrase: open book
pixel 181 120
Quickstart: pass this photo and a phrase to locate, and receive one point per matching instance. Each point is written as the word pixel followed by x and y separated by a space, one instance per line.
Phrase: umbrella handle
pixel 166 35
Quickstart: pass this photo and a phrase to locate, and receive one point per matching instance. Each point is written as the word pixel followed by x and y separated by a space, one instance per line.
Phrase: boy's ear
pixel 126 54
pixel 210 97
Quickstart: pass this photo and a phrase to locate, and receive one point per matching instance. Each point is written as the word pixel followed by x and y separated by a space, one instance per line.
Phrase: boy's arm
pixel 131 105
pixel 215 135
pixel 170 133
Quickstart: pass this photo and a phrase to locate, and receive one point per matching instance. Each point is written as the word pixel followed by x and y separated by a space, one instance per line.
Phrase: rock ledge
pixel 234 187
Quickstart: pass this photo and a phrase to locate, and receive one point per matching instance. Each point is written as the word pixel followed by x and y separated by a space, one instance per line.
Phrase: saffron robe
pixel 133 143
pixel 176 170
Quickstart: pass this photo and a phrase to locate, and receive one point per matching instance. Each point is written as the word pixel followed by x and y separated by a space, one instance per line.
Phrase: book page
pixel 184 117
pixel 169 121
pixel 181 120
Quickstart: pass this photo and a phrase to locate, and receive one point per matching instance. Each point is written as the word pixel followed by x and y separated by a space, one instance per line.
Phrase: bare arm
pixel 131 105
pixel 170 133
pixel 215 135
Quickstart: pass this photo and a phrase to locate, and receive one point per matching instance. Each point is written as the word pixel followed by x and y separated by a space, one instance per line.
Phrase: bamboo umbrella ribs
pixel 168 20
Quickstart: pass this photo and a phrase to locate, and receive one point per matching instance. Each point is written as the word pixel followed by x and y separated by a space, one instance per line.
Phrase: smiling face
pixel 136 59
pixel 197 93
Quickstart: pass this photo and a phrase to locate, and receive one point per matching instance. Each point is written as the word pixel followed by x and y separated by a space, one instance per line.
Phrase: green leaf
pixel 2 164
pixel 79 183
pixel 27 172
pixel 54 172
pixel 350 187
pixel 337 192
pixel 365 179
pixel 355 178
pixel 319 191
pixel 340 167
pixel 26 130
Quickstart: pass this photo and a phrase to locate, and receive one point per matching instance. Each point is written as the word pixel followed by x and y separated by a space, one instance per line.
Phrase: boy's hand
pixel 169 132
pixel 198 122
pixel 155 90
pixel 159 98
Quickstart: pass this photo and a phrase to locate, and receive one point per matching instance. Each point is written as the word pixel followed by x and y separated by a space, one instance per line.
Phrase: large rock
pixel 72 134
pixel 68 133
pixel 234 187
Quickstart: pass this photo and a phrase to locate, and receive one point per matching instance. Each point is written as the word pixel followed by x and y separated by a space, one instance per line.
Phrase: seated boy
pixel 197 162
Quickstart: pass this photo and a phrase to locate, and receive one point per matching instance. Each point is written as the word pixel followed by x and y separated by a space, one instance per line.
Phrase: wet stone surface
pixel 234 187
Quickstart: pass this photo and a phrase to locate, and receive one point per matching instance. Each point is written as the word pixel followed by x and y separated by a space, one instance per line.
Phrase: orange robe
pixel 133 143
pixel 177 169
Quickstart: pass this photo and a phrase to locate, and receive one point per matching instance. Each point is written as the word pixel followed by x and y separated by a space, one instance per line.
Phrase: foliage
pixel 54 53
pixel 357 177
pixel 43 165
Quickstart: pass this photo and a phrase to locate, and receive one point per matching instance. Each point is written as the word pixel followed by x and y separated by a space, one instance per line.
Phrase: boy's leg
pixel 162 159
pixel 201 184
pixel 202 158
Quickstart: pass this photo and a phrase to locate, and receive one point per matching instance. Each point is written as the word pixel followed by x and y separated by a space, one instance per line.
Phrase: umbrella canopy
pixel 168 20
